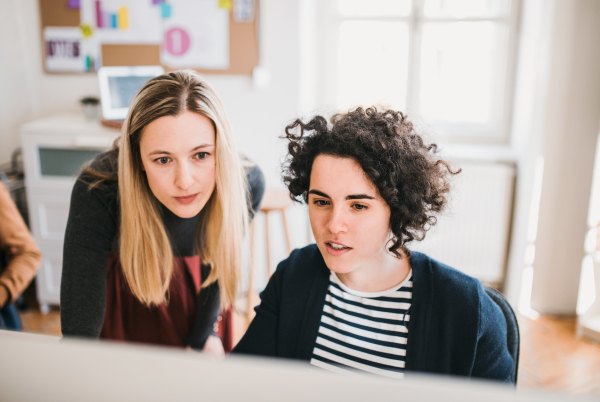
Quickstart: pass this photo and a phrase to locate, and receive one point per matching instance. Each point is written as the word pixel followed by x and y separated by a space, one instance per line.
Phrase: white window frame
pixel 470 133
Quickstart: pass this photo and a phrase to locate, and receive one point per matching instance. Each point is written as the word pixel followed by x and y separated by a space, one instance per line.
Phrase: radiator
pixel 472 235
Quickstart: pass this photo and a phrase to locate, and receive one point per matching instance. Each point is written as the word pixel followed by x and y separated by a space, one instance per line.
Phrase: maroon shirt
pixel 128 319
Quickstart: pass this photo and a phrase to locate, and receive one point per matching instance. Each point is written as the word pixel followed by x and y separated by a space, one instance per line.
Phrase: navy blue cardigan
pixel 454 327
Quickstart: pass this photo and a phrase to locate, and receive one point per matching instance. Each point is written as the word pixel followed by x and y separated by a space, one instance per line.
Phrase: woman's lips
pixel 336 252
pixel 187 199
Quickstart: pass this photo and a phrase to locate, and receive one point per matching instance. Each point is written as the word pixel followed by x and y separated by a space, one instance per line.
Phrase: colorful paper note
pixel 165 10
pixel 86 30
pixel 227 4
pixel 74 4
pixel 99 18
pixel 123 21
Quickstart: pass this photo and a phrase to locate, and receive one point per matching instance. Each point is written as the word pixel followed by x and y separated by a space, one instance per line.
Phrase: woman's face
pixel 178 156
pixel 349 219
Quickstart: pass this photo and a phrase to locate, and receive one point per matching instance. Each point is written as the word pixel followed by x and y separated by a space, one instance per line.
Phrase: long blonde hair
pixel 145 249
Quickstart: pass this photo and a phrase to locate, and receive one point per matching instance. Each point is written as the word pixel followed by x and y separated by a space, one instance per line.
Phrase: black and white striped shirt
pixel 364 331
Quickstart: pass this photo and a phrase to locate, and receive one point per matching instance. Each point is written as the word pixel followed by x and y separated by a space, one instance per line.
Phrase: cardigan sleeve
pixel 208 309
pixel 261 337
pixel 492 359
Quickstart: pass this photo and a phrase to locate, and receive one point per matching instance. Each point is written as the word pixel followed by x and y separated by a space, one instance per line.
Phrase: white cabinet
pixel 54 149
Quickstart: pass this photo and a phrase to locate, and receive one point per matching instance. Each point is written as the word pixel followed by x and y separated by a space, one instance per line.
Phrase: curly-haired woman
pixel 360 300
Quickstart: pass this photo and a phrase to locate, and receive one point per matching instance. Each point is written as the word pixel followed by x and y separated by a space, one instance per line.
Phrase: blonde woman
pixel 154 237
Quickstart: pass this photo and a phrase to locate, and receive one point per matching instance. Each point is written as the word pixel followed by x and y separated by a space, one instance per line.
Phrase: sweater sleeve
pixel 492 359
pixel 22 252
pixel 91 229
pixel 209 298
pixel 261 337
pixel 207 311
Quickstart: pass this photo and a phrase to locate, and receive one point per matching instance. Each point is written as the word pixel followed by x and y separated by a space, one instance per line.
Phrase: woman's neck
pixel 378 274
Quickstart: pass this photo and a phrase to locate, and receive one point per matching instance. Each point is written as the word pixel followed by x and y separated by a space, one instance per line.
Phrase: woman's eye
pixel 201 155
pixel 163 161
pixel 320 203
pixel 360 207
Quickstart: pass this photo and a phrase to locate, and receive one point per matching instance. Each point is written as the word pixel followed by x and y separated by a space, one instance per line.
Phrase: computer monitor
pixel 40 368
pixel 119 85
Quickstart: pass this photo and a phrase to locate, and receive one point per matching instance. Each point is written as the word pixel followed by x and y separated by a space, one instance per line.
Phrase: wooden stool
pixel 273 200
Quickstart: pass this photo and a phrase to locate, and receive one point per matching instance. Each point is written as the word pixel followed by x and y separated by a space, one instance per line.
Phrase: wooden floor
pixel 551 357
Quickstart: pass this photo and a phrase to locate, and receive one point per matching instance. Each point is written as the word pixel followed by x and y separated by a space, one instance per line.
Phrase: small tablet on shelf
pixel 119 85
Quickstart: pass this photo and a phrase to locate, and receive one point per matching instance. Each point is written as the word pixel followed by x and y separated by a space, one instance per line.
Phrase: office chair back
pixel 512 329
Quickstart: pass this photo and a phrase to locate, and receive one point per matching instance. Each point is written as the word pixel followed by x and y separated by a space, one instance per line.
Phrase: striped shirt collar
pixel 334 278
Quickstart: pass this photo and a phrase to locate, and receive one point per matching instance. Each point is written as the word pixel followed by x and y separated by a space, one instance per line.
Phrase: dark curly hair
pixel 410 177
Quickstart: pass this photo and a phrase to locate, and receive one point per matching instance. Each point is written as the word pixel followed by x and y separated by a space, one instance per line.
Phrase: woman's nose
pixel 337 222
pixel 184 178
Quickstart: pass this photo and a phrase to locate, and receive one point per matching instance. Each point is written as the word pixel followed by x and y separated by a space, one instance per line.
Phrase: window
pixel 447 63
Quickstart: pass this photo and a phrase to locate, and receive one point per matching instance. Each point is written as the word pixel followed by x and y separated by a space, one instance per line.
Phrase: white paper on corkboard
pixel 142 24
pixel 196 34
pixel 63 49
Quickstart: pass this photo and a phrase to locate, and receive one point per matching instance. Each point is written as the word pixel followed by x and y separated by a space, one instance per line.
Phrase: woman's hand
pixel 214 347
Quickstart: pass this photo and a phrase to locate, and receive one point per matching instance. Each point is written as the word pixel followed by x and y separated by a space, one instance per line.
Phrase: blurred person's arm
pixel 23 254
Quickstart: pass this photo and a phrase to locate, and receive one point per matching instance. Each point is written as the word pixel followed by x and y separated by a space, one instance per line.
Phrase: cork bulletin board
pixel 243 42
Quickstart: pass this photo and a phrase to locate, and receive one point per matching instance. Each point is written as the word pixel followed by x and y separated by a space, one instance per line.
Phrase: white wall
pixel 257 115
pixel 528 117
pixel 557 119
pixel 570 134
pixel 26 93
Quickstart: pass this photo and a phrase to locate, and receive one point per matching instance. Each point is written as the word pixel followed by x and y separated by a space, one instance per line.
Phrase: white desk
pixel 38 368
pixel 53 151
